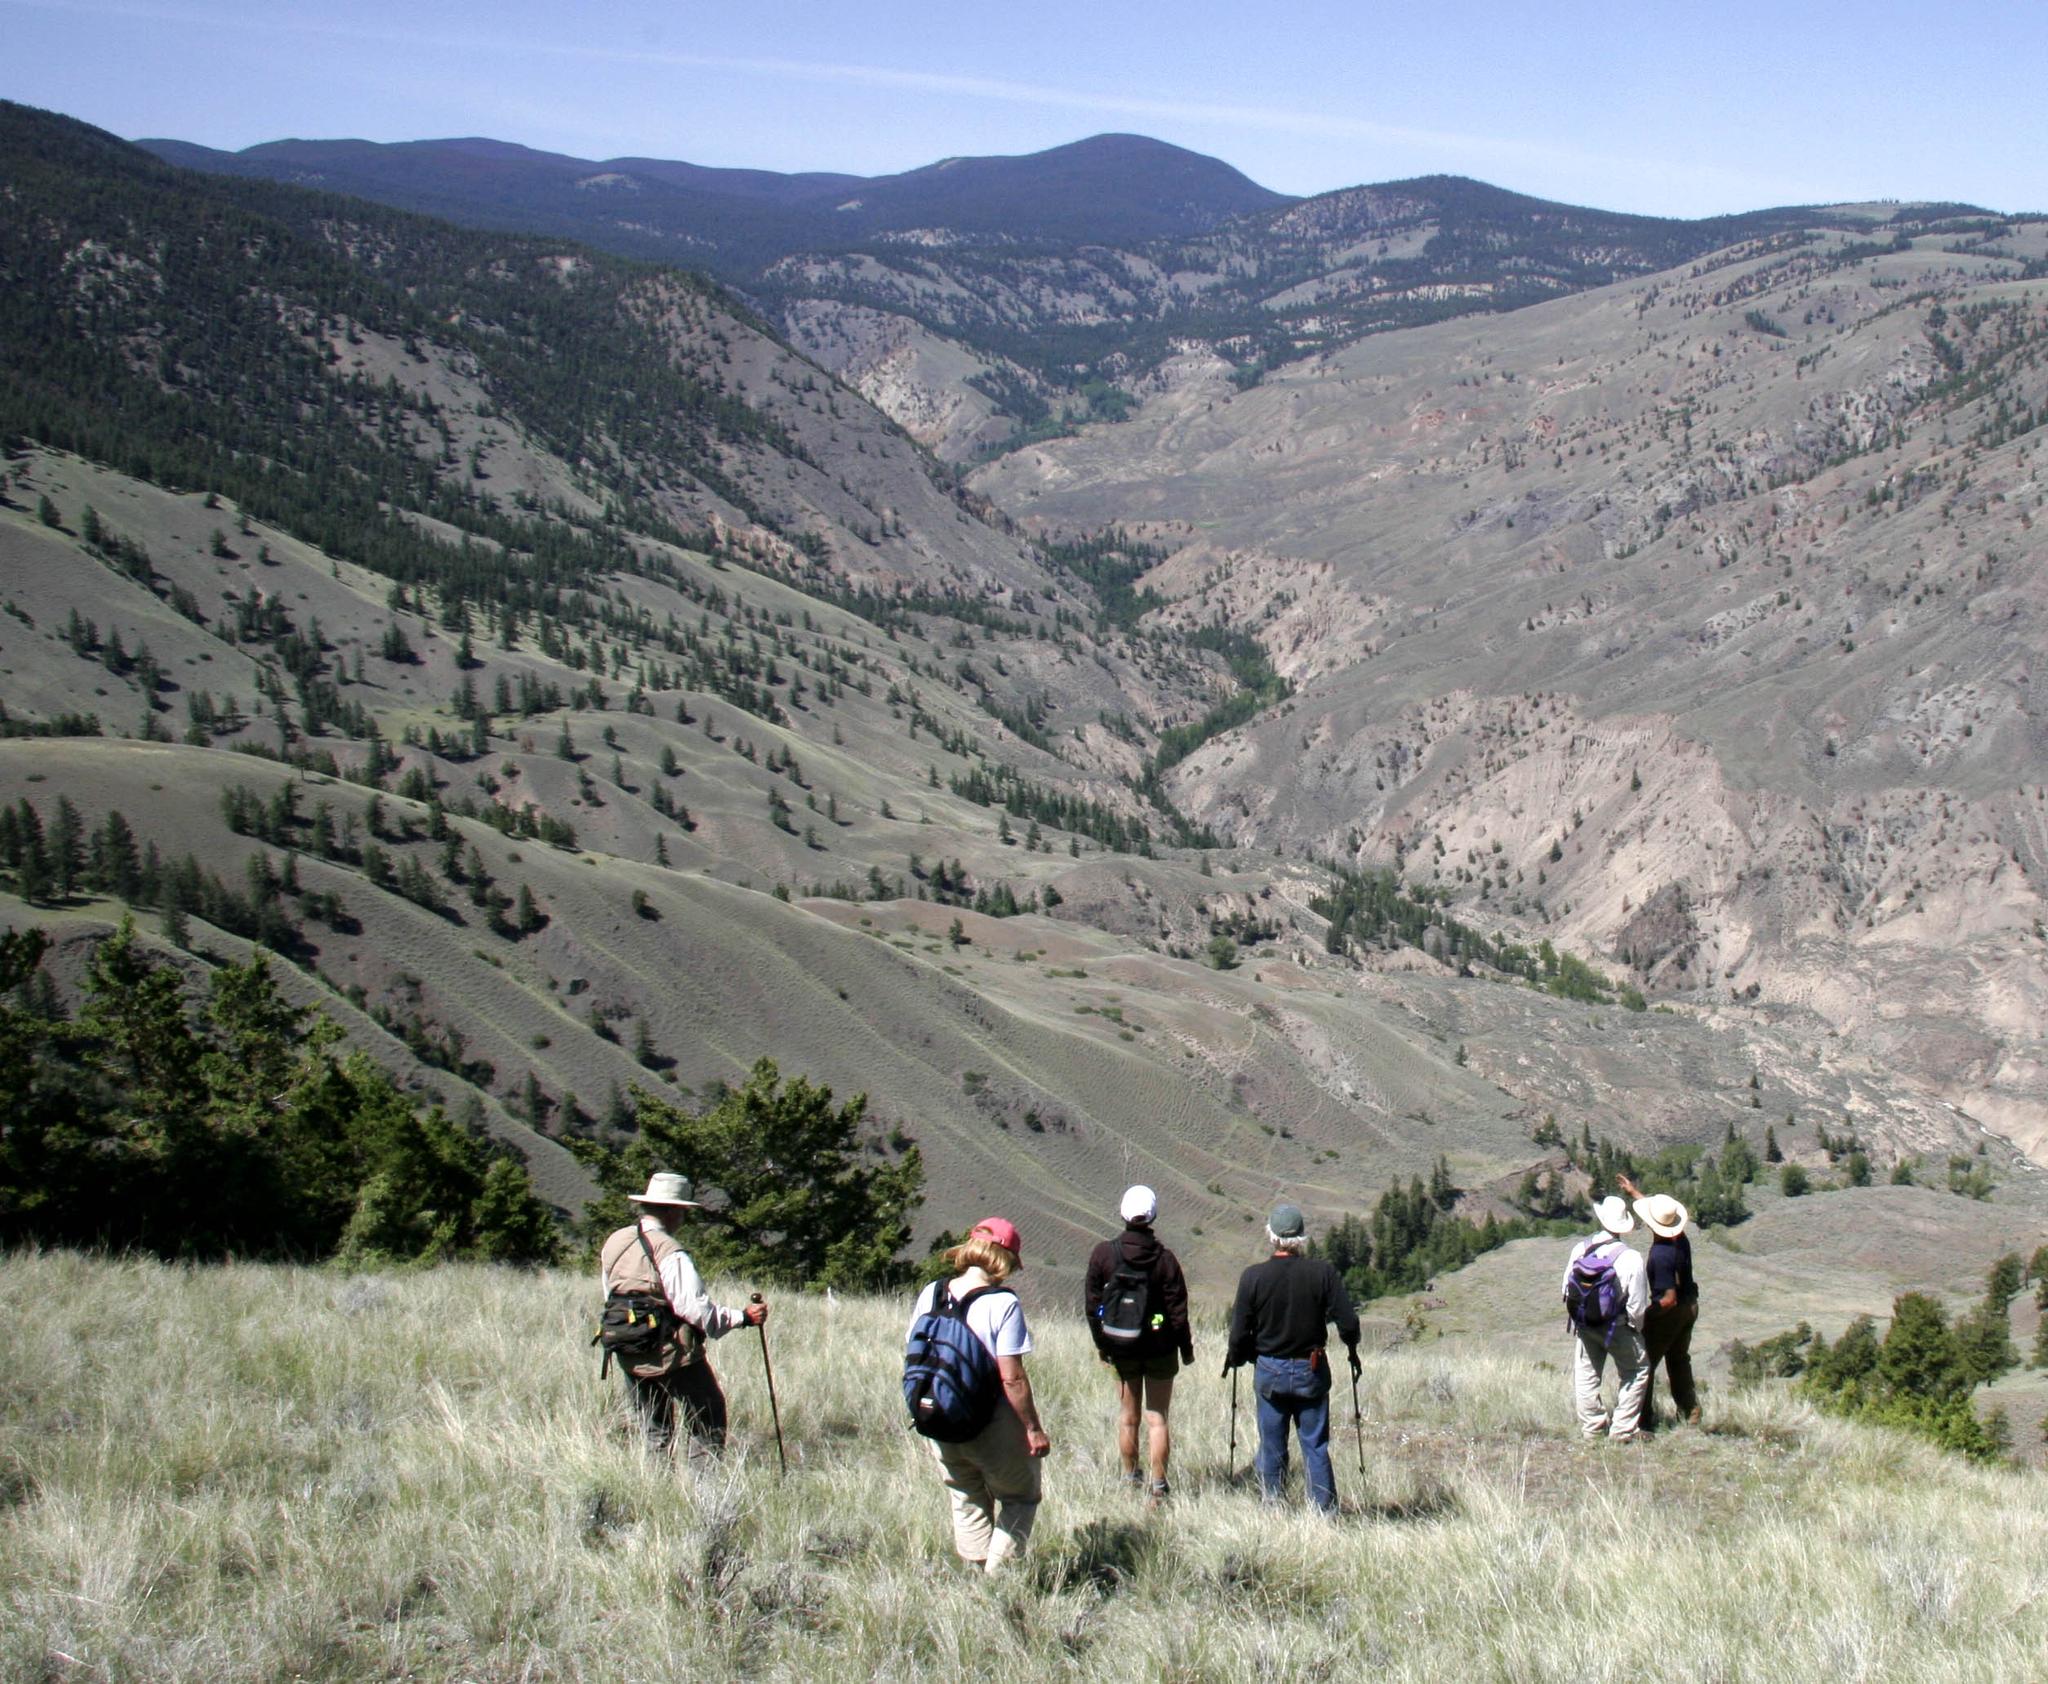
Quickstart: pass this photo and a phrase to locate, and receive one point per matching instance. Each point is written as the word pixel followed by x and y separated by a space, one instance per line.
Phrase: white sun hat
pixel 1663 1215
pixel 664 1188
pixel 1613 1215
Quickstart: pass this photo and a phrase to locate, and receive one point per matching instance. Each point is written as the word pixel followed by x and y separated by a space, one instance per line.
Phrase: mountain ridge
pixel 1103 188
pixel 983 302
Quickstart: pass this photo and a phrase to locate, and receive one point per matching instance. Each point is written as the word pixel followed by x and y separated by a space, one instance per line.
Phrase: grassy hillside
pixel 277 1473
pixel 1042 1058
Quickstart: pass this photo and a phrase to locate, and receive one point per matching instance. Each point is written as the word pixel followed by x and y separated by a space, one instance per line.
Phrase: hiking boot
pixel 1158 1491
pixel 1131 1479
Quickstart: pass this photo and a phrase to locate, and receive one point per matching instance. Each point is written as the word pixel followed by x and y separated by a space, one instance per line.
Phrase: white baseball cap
pixel 1140 1204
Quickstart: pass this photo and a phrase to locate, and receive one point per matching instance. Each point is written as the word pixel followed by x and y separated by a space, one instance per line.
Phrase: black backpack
pixel 1125 1315
pixel 950 1381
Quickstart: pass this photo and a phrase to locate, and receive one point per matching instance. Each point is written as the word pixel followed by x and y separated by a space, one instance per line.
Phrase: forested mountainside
pixel 582 690
pixel 1105 190
pixel 982 302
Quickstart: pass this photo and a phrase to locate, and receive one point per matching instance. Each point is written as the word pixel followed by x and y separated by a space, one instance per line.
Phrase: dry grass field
pixel 246 1473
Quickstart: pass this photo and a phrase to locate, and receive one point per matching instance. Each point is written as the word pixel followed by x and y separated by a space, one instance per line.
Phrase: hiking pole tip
pixel 768 1368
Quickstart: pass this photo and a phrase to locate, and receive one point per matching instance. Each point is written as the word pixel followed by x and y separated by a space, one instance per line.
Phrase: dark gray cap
pixel 1286 1222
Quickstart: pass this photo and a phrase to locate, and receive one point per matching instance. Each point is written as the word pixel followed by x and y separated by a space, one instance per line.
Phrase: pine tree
pixel 1919 1357
pixel 1998 1432
pixel 66 849
pixel 2002 1285
pixel 530 916
pixel 813 1201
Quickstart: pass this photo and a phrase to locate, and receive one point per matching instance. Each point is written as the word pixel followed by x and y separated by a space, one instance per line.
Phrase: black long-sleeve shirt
pixel 1283 1305
pixel 1670 1266
pixel 1170 1331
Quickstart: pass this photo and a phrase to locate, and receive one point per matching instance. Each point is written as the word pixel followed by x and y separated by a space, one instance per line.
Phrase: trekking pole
pixel 774 1409
pixel 1358 1423
pixel 1233 1423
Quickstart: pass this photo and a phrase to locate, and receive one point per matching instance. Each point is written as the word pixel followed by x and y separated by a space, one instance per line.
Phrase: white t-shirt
pixel 996 1318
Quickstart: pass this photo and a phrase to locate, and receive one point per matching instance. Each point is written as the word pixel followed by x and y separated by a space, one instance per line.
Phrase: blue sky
pixel 1655 107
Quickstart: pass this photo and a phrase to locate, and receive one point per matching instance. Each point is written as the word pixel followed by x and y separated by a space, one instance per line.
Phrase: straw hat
pixel 1613 1215
pixel 1663 1215
pixel 666 1189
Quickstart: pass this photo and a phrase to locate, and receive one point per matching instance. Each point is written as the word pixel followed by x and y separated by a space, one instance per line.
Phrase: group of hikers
pixel 969 1394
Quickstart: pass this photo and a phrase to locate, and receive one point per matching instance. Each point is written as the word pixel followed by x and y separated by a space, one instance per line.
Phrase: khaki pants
pixel 992 1482
pixel 1590 1352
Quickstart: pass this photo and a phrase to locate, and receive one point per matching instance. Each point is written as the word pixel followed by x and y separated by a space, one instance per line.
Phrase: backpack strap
pixel 654 1263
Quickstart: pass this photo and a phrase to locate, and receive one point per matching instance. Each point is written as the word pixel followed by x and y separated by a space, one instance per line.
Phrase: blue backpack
pixel 1593 1296
pixel 950 1381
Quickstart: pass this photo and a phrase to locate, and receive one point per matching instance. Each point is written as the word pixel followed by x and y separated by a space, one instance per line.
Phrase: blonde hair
pixel 998 1262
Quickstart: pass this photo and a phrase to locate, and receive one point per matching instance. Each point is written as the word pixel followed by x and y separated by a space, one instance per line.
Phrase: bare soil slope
pixel 1691 621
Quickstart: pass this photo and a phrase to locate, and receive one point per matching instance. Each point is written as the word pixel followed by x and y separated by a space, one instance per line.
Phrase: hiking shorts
pixel 1131 1370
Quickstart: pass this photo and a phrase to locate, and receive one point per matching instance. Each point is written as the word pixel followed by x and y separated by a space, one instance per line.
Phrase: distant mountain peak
pixel 1105 189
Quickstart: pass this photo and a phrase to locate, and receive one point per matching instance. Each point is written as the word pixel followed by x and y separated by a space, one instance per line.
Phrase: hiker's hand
pixel 757 1312
pixel 1357 1367
pixel 1187 1356
pixel 1036 1443
pixel 1669 1299
pixel 1629 1187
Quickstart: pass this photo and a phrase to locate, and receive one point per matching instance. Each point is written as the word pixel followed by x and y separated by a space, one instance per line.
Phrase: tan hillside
pixel 1040 1064
pixel 1691 621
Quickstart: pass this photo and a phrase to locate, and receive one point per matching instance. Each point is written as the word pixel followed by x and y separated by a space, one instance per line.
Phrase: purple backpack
pixel 1592 1294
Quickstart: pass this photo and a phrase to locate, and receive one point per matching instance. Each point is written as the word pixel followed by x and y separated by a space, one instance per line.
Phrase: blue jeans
pixel 1289 1390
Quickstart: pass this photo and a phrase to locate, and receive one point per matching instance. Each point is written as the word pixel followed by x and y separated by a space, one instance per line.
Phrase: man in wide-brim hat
pixel 1674 1303
pixel 1620 1339
pixel 644 1258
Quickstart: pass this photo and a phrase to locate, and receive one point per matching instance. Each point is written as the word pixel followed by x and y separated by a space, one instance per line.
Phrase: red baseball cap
pixel 999 1229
